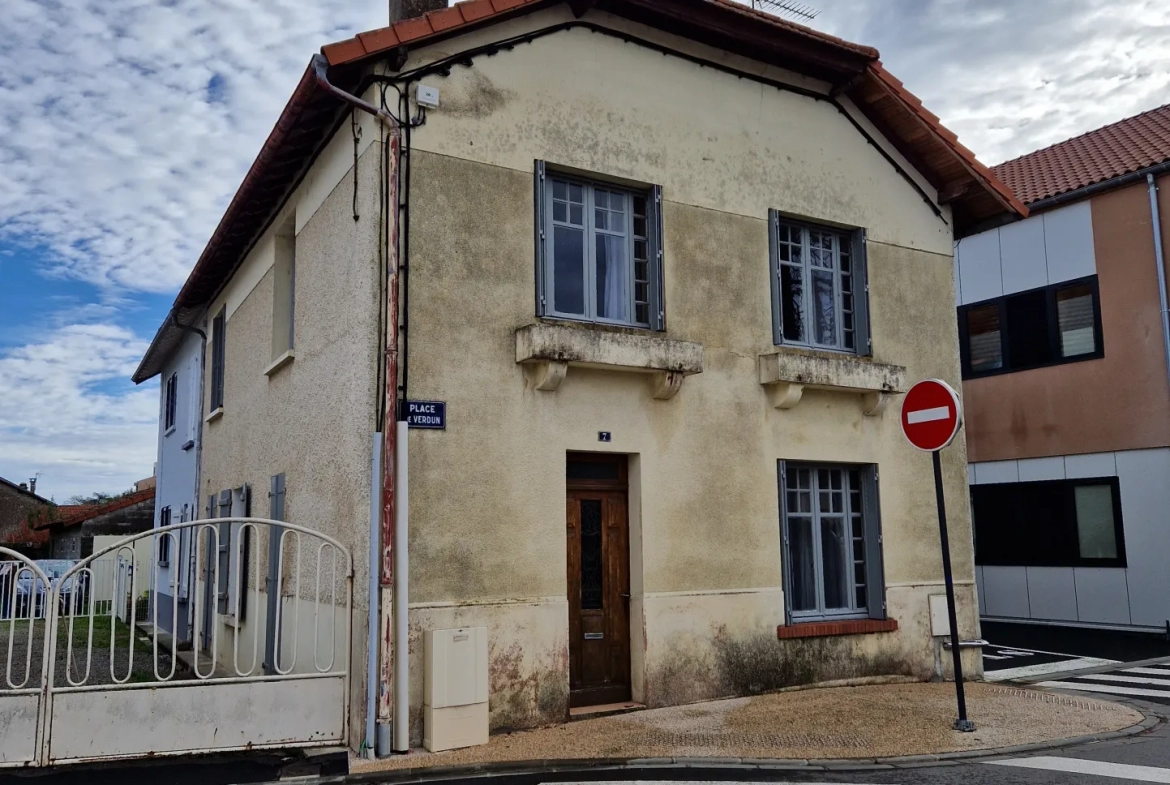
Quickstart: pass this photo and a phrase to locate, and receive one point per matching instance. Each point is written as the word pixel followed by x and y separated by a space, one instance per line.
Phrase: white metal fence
pixel 269 606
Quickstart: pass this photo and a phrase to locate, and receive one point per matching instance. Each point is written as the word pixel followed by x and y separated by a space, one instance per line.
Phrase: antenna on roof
pixel 788 8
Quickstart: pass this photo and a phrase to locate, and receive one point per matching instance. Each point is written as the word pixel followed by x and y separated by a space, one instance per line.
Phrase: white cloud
pixel 1010 77
pixel 57 418
pixel 126 125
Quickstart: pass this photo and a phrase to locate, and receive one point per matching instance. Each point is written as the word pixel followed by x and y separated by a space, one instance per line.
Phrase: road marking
pixel 928 415
pixel 1149 671
pixel 1029 671
pixel 1121 771
pixel 1162 682
pixel 995 657
pixel 1082 687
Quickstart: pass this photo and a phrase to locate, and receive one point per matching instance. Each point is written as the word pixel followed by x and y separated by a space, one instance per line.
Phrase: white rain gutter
pixel 1160 261
pixel 372 630
pixel 401 593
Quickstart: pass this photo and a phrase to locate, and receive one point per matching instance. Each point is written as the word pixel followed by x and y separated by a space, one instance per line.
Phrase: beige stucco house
pixel 667 265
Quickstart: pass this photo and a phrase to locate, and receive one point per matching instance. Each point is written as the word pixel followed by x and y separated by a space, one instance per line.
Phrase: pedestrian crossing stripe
pixel 1097 768
pixel 1141 682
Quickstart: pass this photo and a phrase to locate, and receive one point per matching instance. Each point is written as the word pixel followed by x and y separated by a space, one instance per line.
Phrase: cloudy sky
pixel 126 125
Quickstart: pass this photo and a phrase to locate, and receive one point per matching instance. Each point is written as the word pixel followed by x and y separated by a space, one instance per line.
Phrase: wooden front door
pixel 597 528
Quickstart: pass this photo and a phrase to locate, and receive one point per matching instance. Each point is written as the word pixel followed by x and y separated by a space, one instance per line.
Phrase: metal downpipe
pixel 1160 260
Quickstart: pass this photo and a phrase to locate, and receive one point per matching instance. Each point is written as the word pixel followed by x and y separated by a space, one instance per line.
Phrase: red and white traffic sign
pixel 931 415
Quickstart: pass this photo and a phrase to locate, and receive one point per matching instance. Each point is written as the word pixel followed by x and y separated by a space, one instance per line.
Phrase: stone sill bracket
pixel 550 349
pixel 786 373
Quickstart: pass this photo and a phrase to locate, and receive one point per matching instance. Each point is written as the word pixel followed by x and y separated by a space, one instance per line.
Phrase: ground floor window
pixel 831 535
pixel 1050 523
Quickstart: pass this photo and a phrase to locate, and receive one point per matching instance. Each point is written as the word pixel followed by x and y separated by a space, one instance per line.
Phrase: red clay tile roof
pixel 1123 147
pixel 986 175
pixel 73 514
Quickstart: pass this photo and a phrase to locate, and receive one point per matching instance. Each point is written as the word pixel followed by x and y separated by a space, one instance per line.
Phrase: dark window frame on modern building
pixel 802 500
pixel 170 401
pixel 802 252
pixel 1020 317
pixel 627 219
pixel 1038 523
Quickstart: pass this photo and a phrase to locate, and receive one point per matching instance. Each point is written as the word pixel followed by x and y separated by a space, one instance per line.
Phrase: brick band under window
pixel 824 629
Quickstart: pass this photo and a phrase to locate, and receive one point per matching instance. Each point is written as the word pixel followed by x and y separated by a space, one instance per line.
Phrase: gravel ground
pixel 99 671
pixel 839 722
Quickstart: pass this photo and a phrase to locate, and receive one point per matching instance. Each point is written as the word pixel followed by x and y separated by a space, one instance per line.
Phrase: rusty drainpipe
pixel 388 531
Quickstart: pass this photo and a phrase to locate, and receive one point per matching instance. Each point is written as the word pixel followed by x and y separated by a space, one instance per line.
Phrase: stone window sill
pixel 215 415
pixel 787 372
pixel 280 362
pixel 825 629
pixel 551 349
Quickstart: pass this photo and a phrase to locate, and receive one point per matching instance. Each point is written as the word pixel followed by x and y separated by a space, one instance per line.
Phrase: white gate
pixel 24 635
pixel 259 671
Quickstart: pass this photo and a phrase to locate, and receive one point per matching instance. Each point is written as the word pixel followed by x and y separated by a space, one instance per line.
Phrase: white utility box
pixel 940 618
pixel 455 688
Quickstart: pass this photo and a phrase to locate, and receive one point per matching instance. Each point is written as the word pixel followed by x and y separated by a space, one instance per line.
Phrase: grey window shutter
pixel 539 237
pixel 223 559
pixel 785 562
pixel 245 556
pixel 272 583
pixel 874 569
pixel 774 275
pixel 657 263
pixel 861 305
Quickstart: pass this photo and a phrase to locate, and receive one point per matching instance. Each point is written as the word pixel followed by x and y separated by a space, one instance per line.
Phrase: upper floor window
pixel 284 298
pixel 1054 324
pixel 819 291
pixel 170 401
pixel 831 536
pixel 599 249
pixel 218 350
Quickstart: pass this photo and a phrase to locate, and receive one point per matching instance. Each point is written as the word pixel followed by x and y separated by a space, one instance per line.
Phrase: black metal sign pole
pixel 961 724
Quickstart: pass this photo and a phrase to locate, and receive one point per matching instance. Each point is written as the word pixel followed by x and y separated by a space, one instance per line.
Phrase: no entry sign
pixel 931 415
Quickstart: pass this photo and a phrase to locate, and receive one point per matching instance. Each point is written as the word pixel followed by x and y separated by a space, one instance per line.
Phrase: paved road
pixel 1016 645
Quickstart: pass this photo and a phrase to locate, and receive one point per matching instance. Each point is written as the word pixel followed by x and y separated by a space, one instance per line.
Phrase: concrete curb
pixel 520 768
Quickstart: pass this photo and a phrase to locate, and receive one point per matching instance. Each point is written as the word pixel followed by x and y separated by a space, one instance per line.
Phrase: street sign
pixel 429 415
pixel 931 415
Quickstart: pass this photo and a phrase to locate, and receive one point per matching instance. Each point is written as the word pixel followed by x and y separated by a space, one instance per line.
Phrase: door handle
pixel 625 595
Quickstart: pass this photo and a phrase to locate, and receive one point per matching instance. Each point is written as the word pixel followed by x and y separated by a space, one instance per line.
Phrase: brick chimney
pixel 409 9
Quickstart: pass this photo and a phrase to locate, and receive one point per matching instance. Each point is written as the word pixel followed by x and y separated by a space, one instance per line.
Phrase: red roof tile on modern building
pixel 1130 145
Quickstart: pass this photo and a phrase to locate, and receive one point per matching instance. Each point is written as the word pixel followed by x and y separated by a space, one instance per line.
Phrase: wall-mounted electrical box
pixel 455 688
pixel 427 96
pixel 940 619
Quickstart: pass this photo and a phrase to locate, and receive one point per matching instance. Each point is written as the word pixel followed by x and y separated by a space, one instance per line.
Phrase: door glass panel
pixel 592 470
pixel 1095 529
pixel 591 562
